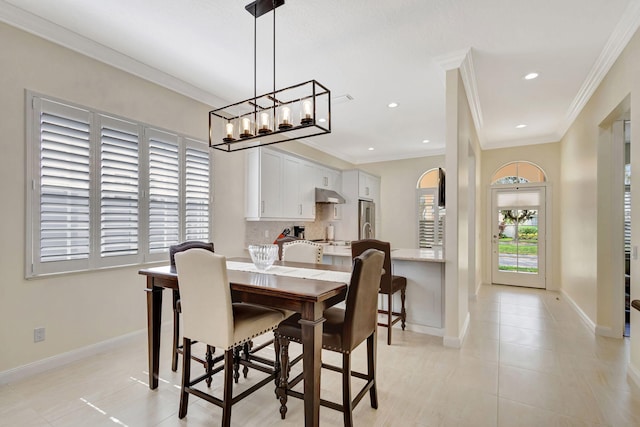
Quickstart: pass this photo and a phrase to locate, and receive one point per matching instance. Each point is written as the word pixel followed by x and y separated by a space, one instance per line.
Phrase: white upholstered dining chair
pixel 302 251
pixel 210 317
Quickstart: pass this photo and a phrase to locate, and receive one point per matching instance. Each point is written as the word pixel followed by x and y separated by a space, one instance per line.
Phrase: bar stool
pixel 389 284
pixel 343 331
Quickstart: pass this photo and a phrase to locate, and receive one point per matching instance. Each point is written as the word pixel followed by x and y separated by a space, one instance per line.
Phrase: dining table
pixel 307 289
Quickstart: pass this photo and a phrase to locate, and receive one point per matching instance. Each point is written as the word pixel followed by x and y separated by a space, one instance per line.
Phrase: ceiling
pixel 376 51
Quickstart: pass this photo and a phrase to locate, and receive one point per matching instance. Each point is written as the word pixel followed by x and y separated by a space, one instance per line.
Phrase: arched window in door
pixel 518 173
pixel 431 213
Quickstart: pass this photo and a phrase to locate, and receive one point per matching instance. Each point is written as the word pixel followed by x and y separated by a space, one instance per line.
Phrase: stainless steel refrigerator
pixel 367 220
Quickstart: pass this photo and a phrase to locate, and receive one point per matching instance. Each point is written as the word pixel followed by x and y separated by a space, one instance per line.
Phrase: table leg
pixel 154 318
pixel 312 359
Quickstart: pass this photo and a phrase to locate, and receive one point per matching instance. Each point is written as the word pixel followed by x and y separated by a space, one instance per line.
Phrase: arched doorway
pixel 518 206
pixel 431 212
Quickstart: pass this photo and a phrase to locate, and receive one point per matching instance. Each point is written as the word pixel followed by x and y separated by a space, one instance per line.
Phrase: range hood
pixel 328 196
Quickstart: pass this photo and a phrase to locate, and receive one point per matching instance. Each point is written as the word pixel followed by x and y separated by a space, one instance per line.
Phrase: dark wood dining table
pixel 309 297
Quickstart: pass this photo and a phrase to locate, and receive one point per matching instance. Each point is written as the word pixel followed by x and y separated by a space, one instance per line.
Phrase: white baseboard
pixel 456 342
pixel 606 331
pixel 421 329
pixel 582 314
pixel 39 366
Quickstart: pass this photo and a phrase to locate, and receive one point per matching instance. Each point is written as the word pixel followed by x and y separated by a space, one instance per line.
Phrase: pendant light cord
pixel 274 46
pixel 255 57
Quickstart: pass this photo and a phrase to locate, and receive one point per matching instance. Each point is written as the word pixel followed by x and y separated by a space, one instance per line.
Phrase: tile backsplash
pixel 255 230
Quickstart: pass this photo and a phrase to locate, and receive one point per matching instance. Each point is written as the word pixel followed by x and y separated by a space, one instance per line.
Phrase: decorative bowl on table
pixel 263 256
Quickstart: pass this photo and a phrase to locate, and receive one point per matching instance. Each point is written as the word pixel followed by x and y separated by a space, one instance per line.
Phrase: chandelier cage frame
pixel 295 112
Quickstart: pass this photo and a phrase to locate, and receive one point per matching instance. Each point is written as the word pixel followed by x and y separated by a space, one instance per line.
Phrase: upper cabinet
pixel 327 178
pixel 263 192
pixel 368 186
pixel 298 176
pixel 280 186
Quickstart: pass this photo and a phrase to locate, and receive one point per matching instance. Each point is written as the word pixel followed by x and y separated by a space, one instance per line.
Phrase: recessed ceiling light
pixel 531 76
pixel 371 148
pixel 424 141
pixel 521 126
pixel 392 105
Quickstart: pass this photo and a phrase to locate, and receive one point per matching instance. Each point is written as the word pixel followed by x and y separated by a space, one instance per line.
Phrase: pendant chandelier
pixel 295 112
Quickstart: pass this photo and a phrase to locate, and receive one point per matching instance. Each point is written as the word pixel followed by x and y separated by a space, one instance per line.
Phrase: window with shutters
pixel 431 217
pixel 107 191
pixel 196 193
pixel 164 192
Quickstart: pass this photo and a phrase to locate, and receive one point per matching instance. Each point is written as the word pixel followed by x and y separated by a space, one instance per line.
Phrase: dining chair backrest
pixel 282 241
pixel 359 246
pixel 361 312
pixel 205 295
pixel 302 251
pixel 189 244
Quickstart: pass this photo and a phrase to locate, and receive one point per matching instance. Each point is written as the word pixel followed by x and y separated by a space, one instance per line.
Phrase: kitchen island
pixel 424 270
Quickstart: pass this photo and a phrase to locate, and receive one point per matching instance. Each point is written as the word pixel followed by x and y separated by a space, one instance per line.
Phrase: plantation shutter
pixel 197 194
pixel 164 191
pixel 627 219
pixel 119 192
pixel 430 220
pixel 64 222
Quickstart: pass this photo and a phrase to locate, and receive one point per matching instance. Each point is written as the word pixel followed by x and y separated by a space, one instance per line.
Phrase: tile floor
pixel 528 360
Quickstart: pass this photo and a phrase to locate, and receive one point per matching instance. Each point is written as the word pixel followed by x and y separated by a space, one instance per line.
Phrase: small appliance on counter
pixel 298 231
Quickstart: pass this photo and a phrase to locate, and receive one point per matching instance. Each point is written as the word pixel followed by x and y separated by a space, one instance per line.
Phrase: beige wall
pixel 81 309
pixel 547 157
pixel 585 204
pixel 399 221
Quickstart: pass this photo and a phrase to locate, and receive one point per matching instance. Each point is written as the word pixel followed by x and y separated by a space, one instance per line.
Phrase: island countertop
pixel 435 254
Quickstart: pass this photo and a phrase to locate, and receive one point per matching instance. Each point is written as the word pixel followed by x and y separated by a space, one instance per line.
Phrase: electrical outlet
pixel 38 334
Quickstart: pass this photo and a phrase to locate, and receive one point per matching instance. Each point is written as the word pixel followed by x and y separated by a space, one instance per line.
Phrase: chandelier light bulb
pixel 264 123
pixel 229 132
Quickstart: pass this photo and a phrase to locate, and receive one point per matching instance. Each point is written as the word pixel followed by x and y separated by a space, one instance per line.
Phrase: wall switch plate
pixel 38 334
pixel 266 233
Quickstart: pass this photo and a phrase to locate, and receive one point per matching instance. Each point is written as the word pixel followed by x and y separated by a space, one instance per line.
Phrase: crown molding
pixel 47 30
pixel 545 139
pixel 415 155
pixel 618 40
pixel 452 60
pixel 311 143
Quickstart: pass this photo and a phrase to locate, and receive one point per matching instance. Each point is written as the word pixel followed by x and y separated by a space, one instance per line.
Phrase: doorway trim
pixel 549 261
pixel 540 279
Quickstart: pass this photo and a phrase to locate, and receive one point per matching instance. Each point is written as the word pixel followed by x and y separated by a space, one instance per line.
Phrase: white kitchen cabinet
pixel 327 178
pixel 308 190
pixel 368 186
pixel 299 191
pixel 335 212
pixel 264 191
pixel 279 186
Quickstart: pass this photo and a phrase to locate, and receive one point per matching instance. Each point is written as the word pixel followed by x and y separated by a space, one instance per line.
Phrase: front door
pixel 518 236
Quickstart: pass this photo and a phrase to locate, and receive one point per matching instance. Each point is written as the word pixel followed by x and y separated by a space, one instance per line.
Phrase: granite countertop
pixel 429 255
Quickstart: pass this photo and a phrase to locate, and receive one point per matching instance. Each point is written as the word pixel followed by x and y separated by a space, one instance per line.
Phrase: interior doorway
pixel 519 236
